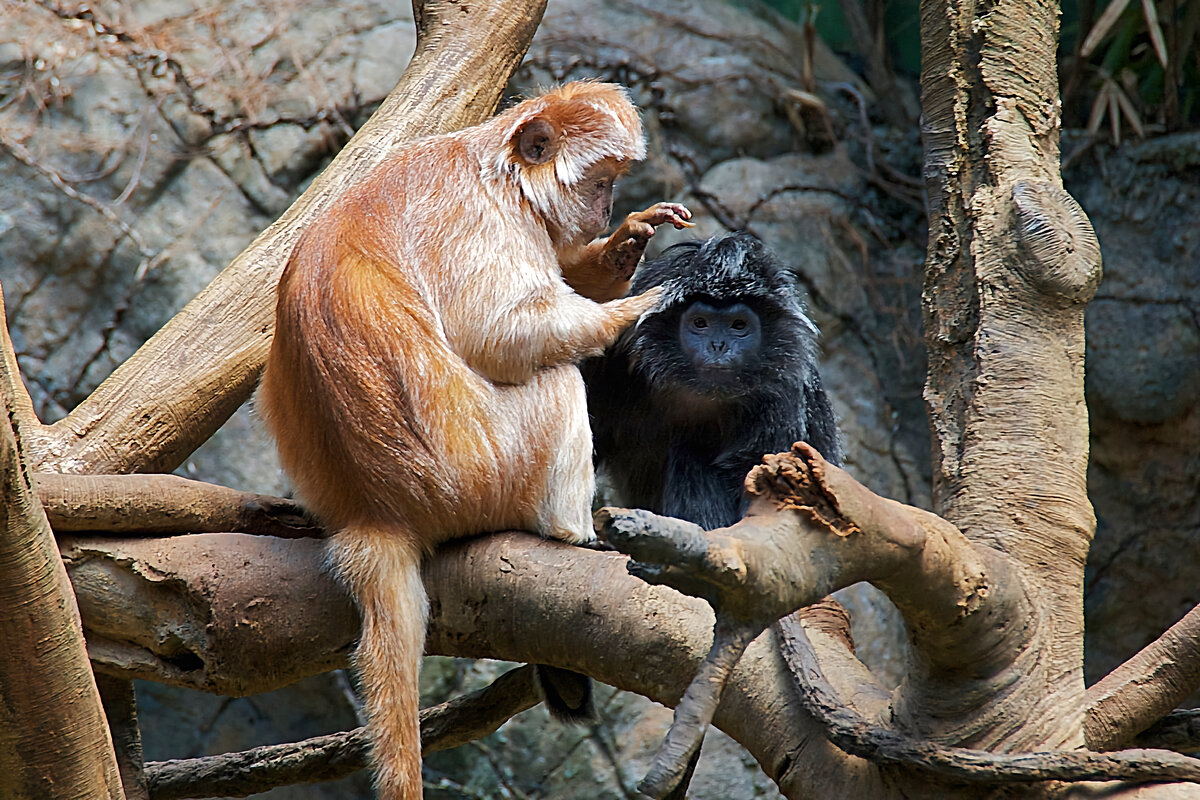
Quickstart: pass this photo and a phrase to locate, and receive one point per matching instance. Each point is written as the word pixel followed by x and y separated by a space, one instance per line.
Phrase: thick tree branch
pixel 161 505
pixel 1131 697
pixel 155 609
pixel 211 611
pixel 54 743
pixel 327 758
pixel 466 49
pixel 812 529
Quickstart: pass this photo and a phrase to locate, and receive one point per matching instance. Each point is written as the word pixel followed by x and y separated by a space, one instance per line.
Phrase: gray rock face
pixel 141 153
pixel 1143 392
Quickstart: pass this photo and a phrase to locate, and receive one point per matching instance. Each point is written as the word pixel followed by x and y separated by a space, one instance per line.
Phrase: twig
pixel 327 758
pixel 852 733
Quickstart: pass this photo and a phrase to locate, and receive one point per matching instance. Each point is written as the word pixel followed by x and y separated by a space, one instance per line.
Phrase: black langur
pixel 721 372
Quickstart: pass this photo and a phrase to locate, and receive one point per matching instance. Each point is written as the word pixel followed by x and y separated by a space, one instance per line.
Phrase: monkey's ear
pixel 537 141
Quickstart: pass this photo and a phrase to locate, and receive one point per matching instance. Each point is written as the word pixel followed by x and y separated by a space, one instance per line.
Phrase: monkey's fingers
pixel 676 214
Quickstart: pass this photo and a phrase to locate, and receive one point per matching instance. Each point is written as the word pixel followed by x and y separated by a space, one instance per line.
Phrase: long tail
pixel 382 569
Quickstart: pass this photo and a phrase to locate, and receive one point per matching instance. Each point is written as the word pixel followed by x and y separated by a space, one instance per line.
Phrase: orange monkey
pixel 422 382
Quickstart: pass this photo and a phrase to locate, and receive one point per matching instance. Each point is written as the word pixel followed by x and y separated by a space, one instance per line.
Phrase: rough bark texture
pixel 145 418
pixel 1142 690
pixel 54 743
pixel 1012 262
pixel 1004 331
pixel 243 614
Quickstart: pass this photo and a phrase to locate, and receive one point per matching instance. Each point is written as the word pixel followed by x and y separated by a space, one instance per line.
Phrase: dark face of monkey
pixel 720 341
pixel 598 186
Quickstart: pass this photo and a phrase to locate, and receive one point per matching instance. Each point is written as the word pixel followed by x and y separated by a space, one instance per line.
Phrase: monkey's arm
pixel 558 327
pixel 603 269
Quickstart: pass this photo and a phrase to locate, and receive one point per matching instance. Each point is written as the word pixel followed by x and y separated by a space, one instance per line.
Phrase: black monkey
pixel 723 371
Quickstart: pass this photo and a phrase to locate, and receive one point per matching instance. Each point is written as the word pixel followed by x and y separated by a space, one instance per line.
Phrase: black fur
pixel 568 695
pixel 675 442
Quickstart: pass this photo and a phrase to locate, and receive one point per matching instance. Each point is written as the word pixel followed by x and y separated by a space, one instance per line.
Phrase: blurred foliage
pixel 1127 67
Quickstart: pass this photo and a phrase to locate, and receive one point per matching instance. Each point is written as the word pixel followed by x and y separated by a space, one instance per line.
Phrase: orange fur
pixel 422 381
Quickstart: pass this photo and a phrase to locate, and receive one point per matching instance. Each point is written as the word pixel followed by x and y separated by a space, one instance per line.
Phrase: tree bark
pixel 161 505
pixel 1143 689
pixel 147 418
pixel 1011 264
pixel 54 743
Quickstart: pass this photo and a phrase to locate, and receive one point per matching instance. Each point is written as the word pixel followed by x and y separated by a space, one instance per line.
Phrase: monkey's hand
pixel 623 250
pixel 602 270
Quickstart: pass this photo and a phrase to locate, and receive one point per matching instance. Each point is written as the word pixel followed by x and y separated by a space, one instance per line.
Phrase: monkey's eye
pixel 699 322
pixel 738 325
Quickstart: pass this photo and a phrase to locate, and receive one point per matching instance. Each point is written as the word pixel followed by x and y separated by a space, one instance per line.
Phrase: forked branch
pixel 812 529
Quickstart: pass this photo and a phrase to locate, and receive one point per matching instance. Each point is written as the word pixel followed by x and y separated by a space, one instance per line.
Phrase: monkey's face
pixel 721 342
pixel 584 208
pixel 596 192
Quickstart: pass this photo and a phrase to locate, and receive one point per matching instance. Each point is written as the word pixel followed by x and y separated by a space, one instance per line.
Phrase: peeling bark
pixel 1004 307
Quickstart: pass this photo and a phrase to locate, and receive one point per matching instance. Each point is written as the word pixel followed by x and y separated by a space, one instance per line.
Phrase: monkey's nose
pixel 719 346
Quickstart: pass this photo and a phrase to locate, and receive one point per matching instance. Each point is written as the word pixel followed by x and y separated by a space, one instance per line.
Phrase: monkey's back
pixel 374 414
pixel 377 415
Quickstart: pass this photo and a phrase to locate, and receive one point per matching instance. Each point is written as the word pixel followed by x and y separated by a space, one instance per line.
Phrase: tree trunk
pixel 54 743
pixel 1011 264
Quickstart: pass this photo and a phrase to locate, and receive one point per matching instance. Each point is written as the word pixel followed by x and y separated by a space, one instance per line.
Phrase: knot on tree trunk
pixel 796 480
pixel 1065 254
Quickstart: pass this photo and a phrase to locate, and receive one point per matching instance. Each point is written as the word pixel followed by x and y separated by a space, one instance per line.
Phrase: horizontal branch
pixel 165 504
pixel 236 614
pixel 1160 677
pixel 326 758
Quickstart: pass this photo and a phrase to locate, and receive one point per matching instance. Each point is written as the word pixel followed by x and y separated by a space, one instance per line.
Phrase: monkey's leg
pixel 383 572
pixel 569 482
pixel 566 514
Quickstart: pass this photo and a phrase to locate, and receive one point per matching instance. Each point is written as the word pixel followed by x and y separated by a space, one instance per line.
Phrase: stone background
pixel 143 145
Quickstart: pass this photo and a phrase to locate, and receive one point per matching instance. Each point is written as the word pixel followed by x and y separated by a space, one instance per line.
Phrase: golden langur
pixel 422 382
